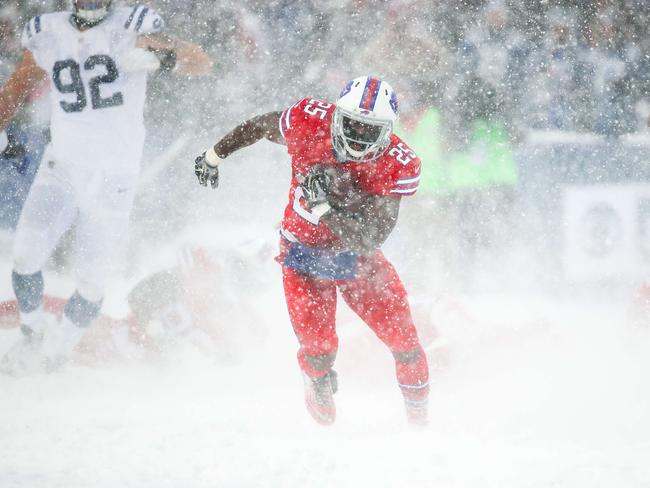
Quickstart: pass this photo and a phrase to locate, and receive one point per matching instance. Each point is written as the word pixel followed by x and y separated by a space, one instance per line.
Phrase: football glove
pixel 14 151
pixel 316 187
pixel 206 172
pixel 167 58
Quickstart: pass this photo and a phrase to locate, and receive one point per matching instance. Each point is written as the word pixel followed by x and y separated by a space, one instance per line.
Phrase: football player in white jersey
pixel 96 57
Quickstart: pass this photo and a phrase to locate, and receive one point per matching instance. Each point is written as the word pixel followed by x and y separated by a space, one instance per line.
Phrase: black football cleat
pixel 319 397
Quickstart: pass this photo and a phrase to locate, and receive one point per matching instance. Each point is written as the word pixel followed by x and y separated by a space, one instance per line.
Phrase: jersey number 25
pixel 76 86
pixel 317 108
pixel 402 153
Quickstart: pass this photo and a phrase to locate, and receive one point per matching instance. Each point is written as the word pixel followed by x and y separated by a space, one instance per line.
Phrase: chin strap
pixel 81 23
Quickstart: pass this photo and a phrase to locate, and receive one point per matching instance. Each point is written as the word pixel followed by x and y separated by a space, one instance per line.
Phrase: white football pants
pixel 99 207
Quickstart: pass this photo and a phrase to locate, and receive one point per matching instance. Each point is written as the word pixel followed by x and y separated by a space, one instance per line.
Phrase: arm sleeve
pixel 144 20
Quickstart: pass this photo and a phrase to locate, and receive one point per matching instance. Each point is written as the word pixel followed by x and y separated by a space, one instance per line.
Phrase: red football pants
pixel 379 298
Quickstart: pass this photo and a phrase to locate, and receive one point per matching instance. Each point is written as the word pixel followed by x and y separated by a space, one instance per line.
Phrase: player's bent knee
pixel 30 252
pixel 321 362
pixel 407 357
pixel 29 260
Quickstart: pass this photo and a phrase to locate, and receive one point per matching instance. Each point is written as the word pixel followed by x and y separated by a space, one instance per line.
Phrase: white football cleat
pixel 417 412
pixel 25 356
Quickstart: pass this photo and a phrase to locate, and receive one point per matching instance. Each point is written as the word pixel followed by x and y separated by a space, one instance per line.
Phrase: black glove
pixel 206 173
pixel 167 58
pixel 13 150
pixel 316 187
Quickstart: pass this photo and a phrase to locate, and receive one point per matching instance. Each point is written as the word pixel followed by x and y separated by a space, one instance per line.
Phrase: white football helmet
pixel 364 119
pixel 91 11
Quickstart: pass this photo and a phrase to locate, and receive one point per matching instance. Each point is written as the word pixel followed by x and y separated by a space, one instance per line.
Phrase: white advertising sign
pixel 606 232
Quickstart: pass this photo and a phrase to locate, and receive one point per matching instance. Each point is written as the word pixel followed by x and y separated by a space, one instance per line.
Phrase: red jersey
pixel 306 127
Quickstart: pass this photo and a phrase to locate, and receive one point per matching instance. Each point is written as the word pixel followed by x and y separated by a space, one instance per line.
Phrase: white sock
pixel 64 339
pixel 33 319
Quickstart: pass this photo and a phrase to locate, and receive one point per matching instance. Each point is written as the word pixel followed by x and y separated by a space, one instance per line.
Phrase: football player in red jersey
pixel 349 174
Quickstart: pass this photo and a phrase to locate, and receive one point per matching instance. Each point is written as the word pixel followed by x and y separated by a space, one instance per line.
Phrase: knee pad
pixel 407 357
pixel 28 289
pixel 80 311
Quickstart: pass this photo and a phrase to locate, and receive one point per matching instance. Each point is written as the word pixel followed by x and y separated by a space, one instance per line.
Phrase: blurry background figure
pixel 481 176
pixel 493 51
pixel 423 219
pixel 9 48
pixel 27 136
pixel 193 300
pixel 610 65
pixel 556 77
pixel 200 300
pixel 407 46
pixel 464 214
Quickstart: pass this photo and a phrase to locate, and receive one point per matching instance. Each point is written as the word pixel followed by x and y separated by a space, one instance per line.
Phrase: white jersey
pixel 97 99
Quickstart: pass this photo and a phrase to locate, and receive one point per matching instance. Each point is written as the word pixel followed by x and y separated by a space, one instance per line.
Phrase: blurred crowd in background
pixel 474 78
pixel 575 65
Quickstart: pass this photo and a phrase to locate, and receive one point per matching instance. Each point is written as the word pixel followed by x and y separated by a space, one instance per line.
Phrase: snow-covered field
pixel 558 402
pixel 529 393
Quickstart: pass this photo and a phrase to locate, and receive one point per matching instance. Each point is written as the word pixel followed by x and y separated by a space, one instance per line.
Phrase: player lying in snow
pixel 170 306
pixel 349 174
pixel 108 328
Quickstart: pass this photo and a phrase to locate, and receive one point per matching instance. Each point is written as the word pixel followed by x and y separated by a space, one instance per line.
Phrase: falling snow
pixel 525 254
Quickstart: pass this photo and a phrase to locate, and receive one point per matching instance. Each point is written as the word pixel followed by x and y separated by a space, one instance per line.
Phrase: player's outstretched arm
pixel 15 91
pixel 187 58
pixel 265 126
